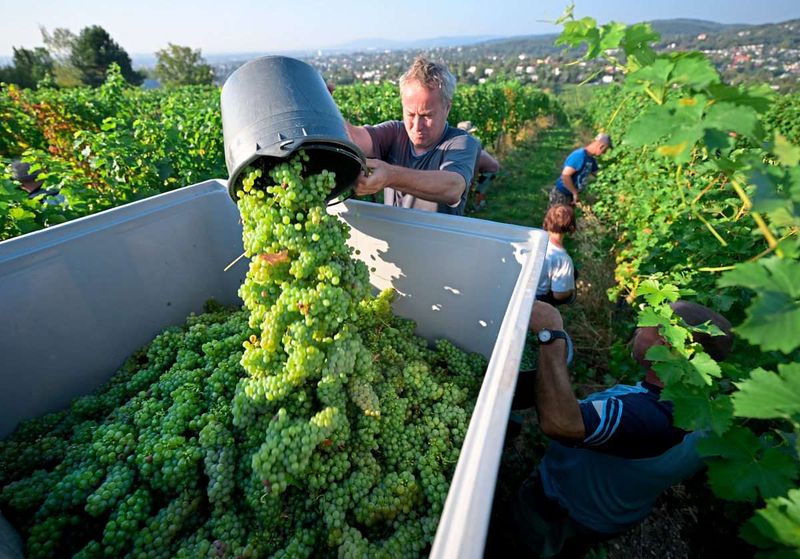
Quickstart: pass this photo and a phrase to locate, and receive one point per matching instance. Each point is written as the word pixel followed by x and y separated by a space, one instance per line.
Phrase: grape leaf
pixel 745 468
pixel 733 118
pixel 672 368
pixel 703 368
pixel 637 44
pixel 773 318
pixel 669 367
pixel 696 409
pixel 788 154
pixel 652 124
pixel 768 395
pixel 656 74
pixel 779 521
pixel 611 34
pixel 758 97
pixel 766 197
pixel 655 294
pixel 649 317
pixel 694 69
pixel 578 31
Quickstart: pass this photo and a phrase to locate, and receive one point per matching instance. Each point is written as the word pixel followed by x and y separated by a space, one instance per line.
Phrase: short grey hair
pixel 431 75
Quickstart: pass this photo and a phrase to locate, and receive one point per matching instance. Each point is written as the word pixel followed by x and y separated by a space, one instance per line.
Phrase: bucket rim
pixel 316 143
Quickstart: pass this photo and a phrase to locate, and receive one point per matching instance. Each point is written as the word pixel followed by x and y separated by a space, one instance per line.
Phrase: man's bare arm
pixel 361 138
pixel 444 187
pixel 559 413
pixel 487 163
pixel 562 295
pixel 566 178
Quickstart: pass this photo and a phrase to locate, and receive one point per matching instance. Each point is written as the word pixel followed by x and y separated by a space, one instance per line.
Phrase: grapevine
pixel 702 191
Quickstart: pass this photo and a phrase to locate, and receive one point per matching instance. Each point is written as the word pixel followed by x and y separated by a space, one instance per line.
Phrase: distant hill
pixel 685 26
pixel 391 44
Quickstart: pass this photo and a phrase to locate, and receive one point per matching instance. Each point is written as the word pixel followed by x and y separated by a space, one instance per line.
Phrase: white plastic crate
pixel 78 298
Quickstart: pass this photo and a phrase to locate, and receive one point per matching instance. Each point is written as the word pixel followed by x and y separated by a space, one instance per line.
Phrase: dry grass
pixel 591 319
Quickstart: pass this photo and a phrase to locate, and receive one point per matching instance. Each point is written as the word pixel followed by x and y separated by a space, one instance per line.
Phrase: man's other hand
pixel 376 180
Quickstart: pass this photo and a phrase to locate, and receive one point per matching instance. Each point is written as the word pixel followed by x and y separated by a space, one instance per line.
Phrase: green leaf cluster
pixel 705 181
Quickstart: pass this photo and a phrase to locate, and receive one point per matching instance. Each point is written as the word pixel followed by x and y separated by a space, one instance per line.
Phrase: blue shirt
pixel 584 164
pixel 631 454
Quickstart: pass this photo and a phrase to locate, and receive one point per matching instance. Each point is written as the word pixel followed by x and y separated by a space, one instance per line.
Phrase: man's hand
pixel 575 199
pixel 377 179
pixel 545 315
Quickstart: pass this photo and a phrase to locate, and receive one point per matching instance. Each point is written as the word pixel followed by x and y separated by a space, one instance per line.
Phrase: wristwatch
pixel 546 336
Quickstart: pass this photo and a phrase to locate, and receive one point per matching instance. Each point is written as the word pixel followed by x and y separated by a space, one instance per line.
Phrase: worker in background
pixel 485 171
pixel 578 167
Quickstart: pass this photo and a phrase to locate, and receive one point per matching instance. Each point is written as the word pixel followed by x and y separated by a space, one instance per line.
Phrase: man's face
pixel 424 115
pixel 597 148
pixel 643 339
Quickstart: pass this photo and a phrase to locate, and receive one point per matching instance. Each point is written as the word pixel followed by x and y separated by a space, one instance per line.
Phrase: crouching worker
pixel 613 453
pixel 557 281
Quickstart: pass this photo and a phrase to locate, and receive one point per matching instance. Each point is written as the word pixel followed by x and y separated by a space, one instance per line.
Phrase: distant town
pixel 743 54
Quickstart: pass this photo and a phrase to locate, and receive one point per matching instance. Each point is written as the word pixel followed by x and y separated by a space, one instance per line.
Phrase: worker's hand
pixel 575 200
pixel 376 180
pixel 545 315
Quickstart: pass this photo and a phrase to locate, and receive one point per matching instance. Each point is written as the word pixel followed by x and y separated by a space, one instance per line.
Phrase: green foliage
pixel 784 117
pixel 766 395
pixel 105 147
pixel 93 53
pixel 705 180
pixel 773 319
pixel 748 466
pixel 776 527
pixel 179 65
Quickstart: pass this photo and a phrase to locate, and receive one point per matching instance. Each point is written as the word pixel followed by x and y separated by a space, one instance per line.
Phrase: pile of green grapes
pixel 311 423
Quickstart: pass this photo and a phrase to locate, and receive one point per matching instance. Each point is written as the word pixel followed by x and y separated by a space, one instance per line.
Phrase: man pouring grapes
pixel 420 162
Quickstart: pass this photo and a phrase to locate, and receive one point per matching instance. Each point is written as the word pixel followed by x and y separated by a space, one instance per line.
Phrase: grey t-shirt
pixel 457 152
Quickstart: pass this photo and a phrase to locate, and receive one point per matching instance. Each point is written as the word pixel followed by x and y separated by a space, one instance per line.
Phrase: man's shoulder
pixel 386 126
pixel 577 156
pixel 618 391
pixel 456 137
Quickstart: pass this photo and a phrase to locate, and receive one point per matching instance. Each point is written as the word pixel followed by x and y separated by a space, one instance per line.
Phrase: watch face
pixel 545 336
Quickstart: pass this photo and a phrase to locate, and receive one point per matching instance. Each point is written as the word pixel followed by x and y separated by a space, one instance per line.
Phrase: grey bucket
pixel 276 105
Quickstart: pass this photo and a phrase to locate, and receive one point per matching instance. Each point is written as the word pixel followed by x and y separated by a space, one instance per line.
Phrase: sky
pixel 230 26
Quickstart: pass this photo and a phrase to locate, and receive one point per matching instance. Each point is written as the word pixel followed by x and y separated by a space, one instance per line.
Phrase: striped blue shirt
pixel 631 454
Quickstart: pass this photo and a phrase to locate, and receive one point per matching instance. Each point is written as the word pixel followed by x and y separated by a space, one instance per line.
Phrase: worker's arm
pixel 445 187
pixel 566 178
pixel 559 413
pixel 361 138
pixel 562 295
pixel 357 134
pixel 487 163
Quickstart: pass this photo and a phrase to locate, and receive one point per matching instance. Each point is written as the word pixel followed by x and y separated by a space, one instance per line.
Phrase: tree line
pixel 70 60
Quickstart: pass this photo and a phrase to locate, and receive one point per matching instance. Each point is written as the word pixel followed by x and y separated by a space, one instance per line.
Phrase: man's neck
pixel 557 239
